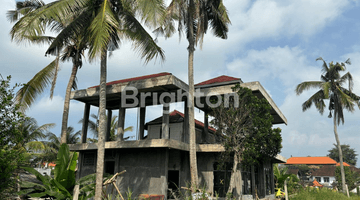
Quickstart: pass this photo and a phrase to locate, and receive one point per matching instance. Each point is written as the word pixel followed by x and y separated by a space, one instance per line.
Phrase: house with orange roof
pixel 323 168
pixel 157 161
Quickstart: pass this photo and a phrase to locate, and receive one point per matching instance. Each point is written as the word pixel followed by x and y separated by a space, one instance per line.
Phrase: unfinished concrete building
pixel 159 161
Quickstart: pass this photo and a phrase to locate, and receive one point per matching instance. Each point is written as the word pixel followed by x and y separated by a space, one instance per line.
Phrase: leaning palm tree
pixel 332 88
pixel 72 50
pixel 194 17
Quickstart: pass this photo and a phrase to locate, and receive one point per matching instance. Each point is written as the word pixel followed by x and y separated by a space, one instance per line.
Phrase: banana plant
pixel 59 187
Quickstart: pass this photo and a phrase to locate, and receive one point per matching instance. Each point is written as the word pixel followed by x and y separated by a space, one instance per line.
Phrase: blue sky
pixel 275 42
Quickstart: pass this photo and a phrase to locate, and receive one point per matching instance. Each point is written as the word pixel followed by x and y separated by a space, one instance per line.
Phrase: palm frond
pixel 219 19
pixel 308 85
pixel 325 68
pixel 102 27
pixel 347 77
pixel 30 91
pixel 143 42
pixel 317 99
pixel 151 11
pixel 53 83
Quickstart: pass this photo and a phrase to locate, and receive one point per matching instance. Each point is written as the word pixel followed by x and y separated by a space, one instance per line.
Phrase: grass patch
pixel 321 194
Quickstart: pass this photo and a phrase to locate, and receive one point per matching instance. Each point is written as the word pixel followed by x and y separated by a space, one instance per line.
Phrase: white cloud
pixel 272 19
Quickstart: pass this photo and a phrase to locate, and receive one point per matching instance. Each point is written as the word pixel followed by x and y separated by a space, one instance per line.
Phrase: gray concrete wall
pixel 146 171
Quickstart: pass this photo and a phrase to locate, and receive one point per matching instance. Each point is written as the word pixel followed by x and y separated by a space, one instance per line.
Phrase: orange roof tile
pixel 344 163
pixel 317 184
pixel 310 161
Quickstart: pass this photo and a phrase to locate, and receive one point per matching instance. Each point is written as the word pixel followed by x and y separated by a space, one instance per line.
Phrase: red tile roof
pixel 135 78
pixel 219 79
pixel 344 163
pixel 310 161
pixel 175 112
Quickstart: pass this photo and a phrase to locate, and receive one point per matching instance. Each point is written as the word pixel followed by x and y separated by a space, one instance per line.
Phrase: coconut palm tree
pixel 332 87
pixel 194 17
pixel 48 150
pixel 104 24
pixel 73 50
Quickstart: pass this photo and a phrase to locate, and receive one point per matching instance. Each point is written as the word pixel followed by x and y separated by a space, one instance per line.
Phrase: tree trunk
pixel 67 100
pixel 102 128
pixel 340 157
pixel 191 49
pixel 233 177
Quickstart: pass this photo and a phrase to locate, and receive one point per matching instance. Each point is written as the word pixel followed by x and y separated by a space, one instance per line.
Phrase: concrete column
pixel 85 123
pixel 142 123
pixel 166 170
pixel 108 125
pixel 121 123
pixel 206 127
pixel 253 180
pixel 117 161
pixel 165 120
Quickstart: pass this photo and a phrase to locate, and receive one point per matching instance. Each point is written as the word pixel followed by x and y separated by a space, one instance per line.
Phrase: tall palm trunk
pixel 65 117
pixel 191 49
pixel 102 127
pixel 340 156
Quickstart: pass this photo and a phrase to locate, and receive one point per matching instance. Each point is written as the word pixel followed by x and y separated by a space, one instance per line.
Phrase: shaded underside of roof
pixel 135 78
pixel 311 161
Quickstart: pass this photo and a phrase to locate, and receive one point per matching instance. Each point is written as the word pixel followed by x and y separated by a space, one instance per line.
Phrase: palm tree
pixel 104 23
pixel 331 87
pixel 73 50
pixel 30 131
pixel 50 148
pixel 195 17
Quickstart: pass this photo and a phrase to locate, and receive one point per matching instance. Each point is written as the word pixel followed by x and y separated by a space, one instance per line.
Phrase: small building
pixel 322 169
pixel 159 161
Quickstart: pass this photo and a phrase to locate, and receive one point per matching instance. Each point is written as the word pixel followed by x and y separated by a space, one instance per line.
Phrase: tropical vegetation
pixel 332 87
pixel 349 154
pixel 11 156
pixel 28 12
pixel 245 127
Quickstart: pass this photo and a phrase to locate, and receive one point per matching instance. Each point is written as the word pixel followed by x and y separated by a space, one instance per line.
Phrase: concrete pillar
pixel 121 123
pixel 85 123
pixel 206 127
pixel 142 123
pixel 108 125
pixel 117 161
pixel 165 120
pixel 166 171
